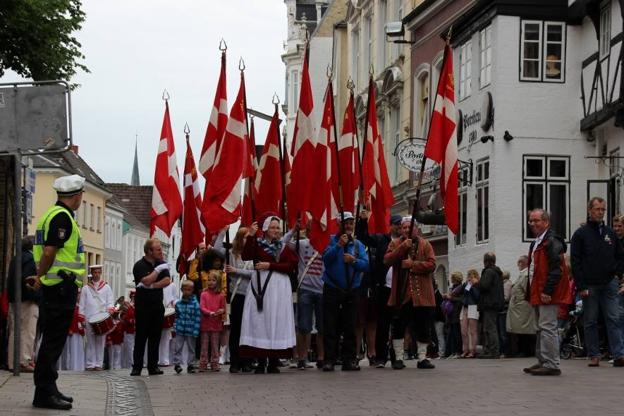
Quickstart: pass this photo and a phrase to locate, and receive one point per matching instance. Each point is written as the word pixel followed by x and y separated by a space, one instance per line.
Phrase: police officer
pixel 59 254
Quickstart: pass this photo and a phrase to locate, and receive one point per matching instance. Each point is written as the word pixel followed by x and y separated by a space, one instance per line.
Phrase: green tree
pixel 36 38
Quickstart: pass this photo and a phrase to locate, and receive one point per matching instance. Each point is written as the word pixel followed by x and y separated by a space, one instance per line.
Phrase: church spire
pixel 135 181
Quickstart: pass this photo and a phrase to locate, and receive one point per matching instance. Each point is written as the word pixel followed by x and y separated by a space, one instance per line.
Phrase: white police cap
pixel 69 185
pixel 347 216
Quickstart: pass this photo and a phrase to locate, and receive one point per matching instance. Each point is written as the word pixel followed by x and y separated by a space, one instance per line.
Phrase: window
pixel 465 62
pixel 78 215
pixel 84 214
pixel 545 184
pixel 542 51
pixel 422 105
pixel 553 61
pixel 381 50
pixel 368 35
pixel 92 217
pixel 398 15
pixel 464 176
pixel 395 117
pixel 295 92
pixel 119 234
pixel 483 199
pixel 485 44
pixel 99 220
pixel 605 29
pixel 107 232
pixel 355 65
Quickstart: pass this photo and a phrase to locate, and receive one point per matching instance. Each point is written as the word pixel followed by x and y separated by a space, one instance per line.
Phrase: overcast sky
pixel 136 49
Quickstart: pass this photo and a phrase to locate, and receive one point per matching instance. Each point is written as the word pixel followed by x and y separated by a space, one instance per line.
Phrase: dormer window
pixel 542 51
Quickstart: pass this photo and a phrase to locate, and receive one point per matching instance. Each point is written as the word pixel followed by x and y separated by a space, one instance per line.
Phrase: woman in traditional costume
pixel 268 324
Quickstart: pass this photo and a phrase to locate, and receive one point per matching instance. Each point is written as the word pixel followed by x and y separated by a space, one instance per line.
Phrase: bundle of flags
pixel 321 177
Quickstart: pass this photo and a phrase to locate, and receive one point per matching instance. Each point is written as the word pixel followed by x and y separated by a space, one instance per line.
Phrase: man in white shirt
pixel 96 298
pixel 170 297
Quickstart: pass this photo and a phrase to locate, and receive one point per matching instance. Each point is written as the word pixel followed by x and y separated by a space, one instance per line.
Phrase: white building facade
pixel 517 86
pixel 113 249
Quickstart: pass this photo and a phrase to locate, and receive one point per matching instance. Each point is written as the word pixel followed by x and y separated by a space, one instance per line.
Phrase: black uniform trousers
pixel 149 321
pixel 339 317
pixel 419 320
pixel 236 319
pixel 384 317
pixel 56 314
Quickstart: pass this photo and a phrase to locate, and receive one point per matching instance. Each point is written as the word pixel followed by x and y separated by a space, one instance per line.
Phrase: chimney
pixel 74 148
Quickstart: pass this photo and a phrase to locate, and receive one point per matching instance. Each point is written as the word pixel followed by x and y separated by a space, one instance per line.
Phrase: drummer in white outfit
pixel 96 298
pixel 170 297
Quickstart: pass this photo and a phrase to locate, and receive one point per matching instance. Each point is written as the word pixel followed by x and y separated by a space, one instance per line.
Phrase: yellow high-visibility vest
pixel 70 257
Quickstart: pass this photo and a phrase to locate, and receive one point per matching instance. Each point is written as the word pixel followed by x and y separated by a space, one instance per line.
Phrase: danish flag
pixel 442 140
pixel 166 199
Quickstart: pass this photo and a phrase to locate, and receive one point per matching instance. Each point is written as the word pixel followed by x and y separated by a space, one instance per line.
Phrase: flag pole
pixel 424 158
pixel 351 87
pixel 370 86
pixel 330 96
pixel 251 138
pixel 281 160
pixel 241 67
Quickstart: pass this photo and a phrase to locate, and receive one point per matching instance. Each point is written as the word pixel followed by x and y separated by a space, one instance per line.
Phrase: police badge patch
pixel 61 233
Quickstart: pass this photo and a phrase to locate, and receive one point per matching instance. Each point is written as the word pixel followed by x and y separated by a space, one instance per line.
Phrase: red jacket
pixel 116 336
pixel 550 272
pixel 128 320
pixel 77 324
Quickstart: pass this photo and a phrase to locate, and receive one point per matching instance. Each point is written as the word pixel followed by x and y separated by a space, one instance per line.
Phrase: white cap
pixel 267 222
pixel 69 185
pixel 346 216
pixel 95 266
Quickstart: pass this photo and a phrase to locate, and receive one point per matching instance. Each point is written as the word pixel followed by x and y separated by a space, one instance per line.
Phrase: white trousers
pixel 73 356
pixel 164 347
pixel 95 348
pixel 128 348
pixel 114 356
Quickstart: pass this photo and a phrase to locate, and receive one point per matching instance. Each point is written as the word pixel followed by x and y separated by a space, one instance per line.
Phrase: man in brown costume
pixel 412 261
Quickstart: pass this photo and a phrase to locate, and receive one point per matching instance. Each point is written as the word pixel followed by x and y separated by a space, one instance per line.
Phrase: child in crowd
pixel 114 340
pixel 212 306
pixel 128 321
pixel 186 326
pixel 73 356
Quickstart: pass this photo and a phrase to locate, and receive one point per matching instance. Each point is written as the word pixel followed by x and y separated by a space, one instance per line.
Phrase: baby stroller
pixel 571 343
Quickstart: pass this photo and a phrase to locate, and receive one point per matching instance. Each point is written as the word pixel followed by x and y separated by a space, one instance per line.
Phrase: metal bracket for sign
pixel 465 164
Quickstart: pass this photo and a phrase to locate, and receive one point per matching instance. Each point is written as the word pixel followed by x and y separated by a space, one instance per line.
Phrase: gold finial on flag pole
pixel 350 84
pixel 448 35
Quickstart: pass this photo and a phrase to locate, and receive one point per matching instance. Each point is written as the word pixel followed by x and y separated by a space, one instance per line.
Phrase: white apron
pixel 274 327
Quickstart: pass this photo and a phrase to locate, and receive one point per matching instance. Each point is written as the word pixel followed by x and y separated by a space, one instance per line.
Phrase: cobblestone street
pixel 467 387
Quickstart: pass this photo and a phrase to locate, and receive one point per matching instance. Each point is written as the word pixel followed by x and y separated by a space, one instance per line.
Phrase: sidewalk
pixel 95 394
pixel 466 387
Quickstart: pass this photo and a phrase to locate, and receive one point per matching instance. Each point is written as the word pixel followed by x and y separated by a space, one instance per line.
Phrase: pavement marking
pixel 126 396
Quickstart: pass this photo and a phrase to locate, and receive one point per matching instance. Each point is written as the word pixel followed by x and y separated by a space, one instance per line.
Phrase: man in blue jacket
pixel 345 259
pixel 597 261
